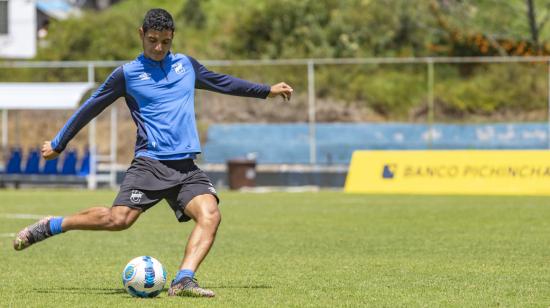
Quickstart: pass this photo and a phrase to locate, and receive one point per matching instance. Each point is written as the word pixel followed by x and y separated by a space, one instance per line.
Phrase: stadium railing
pixel 319 151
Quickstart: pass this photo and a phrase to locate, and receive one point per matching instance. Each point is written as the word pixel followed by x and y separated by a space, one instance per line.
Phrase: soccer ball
pixel 144 277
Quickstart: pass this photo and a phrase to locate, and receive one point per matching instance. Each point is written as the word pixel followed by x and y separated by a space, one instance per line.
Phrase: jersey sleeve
pixel 113 88
pixel 226 84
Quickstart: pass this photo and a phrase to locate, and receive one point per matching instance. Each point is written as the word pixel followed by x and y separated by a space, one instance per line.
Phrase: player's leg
pixel 97 218
pixel 197 200
pixel 116 218
pixel 128 205
pixel 204 211
pixel 130 202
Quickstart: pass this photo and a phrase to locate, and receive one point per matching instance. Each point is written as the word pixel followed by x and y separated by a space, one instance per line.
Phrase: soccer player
pixel 159 88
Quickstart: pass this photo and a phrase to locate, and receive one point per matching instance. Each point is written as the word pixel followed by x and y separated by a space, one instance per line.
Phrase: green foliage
pixel 388 90
pixel 250 29
pixel 392 92
pixel 286 29
pixel 494 89
pixel 296 29
pixel 108 35
pixel 490 16
pixel 192 14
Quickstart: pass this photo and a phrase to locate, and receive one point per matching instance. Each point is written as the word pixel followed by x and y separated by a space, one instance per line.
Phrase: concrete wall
pixel 336 142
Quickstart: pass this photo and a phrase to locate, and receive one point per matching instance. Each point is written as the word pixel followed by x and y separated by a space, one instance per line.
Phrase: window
pixel 3 17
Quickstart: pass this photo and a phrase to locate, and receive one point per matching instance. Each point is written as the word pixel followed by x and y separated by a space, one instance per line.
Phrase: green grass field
pixel 301 249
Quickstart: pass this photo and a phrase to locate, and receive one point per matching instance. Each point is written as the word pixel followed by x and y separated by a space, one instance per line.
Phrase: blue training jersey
pixel 160 96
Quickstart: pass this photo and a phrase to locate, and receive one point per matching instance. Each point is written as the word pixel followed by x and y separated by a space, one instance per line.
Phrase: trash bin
pixel 241 173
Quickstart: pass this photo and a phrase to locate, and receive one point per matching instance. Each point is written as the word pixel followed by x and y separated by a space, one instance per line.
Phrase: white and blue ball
pixel 144 277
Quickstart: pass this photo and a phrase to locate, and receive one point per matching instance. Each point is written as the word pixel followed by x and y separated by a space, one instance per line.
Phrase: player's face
pixel 156 44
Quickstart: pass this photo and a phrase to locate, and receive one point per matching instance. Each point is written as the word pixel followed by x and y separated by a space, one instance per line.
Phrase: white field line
pixel 21 216
pixel 7 234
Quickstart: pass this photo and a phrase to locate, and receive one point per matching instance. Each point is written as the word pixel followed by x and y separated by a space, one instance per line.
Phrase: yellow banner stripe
pixel 450 172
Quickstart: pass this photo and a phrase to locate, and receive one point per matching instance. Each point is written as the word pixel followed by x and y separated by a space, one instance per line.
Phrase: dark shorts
pixel 147 181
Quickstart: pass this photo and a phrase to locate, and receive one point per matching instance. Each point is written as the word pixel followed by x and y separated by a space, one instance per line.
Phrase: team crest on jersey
pixel 178 68
pixel 144 76
pixel 136 195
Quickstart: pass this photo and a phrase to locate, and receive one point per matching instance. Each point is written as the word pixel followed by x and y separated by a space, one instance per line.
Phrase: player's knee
pixel 211 216
pixel 119 222
pixel 216 217
pixel 119 225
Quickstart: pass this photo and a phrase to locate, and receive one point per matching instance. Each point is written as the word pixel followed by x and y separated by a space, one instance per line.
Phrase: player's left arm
pixel 227 84
pixel 281 89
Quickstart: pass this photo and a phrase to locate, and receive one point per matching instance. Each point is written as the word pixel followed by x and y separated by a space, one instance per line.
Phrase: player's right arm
pixel 113 88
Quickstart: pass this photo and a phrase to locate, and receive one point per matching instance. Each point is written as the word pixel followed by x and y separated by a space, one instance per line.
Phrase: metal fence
pixel 311 66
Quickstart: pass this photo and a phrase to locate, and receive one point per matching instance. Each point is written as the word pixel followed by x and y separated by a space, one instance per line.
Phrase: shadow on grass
pixel 239 287
pixel 73 290
pixel 115 291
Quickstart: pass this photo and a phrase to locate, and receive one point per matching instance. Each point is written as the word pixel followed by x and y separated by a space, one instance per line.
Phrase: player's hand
pixel 47 151
pixel 281 89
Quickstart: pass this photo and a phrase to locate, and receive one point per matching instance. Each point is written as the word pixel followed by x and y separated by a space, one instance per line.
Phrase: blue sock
pixel 184 273
pixel 55 225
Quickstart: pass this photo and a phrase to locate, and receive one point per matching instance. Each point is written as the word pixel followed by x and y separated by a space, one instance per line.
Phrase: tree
pixel 193 14
pixel 534 26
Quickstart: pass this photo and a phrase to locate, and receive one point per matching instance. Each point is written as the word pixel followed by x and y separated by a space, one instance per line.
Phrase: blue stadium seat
pixel 14 162
pixel 33 162
pixel 85 164
pixel 69 163
pixel 50 167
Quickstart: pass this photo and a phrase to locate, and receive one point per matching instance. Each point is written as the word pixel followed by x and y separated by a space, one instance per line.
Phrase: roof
pixel 58 9
pixel 42 95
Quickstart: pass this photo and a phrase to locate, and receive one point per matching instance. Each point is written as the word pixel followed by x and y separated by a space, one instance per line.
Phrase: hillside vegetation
pixel 262 29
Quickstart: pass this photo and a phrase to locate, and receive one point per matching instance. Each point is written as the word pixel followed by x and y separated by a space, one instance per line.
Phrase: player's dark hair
pixel 158 19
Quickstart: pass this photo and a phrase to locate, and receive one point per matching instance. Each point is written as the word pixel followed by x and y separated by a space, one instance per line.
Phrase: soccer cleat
pixel 188 287
pixel 34 233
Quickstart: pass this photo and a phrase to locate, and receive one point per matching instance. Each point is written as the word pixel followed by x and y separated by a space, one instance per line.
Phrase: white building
pixel 17 28
pixel 21 20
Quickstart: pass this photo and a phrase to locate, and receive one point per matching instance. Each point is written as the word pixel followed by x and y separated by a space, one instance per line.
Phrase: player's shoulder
pixel 116 75
pixel 137 63
pixel 187 61
pixel 181 57
pixel 135 68
pixel 178 56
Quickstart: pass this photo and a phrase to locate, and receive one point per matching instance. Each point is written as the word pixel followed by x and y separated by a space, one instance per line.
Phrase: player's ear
pixel 141 33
